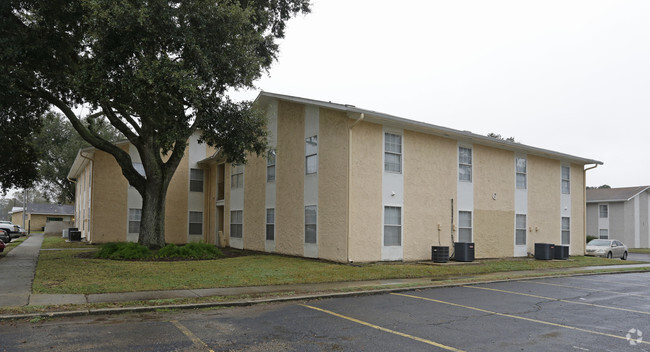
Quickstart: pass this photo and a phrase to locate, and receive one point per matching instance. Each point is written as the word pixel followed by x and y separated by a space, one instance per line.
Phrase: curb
pixel 245 303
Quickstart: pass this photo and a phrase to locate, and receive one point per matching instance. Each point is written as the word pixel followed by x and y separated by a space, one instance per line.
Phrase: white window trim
pixel 233 173
pixel 563 230
pixel 600 213
pixel 400 226
pixel 562 179
pixel 471 165
pixel 525 173
pixel 315 224
pixel 267 223
pixel 471 213
pixel 307 156
pixel 401 154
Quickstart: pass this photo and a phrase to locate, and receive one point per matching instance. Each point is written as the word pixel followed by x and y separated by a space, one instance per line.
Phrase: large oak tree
pixel 156 70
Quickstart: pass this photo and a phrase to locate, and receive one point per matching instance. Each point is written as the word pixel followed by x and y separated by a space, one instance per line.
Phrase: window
pixel 521 173
pixel 464 226
pixel 520 229
pixel 311 218
pixel 270 166
pixel 311 155
pixel 566 230
pixel 196 180
pixel 236 223
pixel 134 220
pixel 196 223
pixel 464 164
pixel 53 219
pixel 566 180
pixel 603 234
pixel 270 224
pixel 392 226
pixel 237 176
pixel 604 211
pixel 393 153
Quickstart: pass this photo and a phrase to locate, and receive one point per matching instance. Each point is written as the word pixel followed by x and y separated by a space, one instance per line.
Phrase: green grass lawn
pixel 11 245
pixel 56 241
pixel 639 250
pixel 68 272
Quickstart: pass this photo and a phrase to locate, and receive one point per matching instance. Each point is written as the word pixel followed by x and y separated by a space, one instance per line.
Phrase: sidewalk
pixel 18 267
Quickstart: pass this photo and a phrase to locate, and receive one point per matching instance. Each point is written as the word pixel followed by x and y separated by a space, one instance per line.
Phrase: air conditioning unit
pixel 544 251
pixel 464 251
pixel 561 252
pixel 440 254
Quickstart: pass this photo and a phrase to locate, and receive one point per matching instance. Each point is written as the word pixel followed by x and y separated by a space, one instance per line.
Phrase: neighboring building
pixel 39 216
pixel 620 213
pixel 352 185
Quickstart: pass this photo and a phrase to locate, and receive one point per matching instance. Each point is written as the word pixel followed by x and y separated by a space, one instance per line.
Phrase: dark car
pixel 4 236
pixel 2 246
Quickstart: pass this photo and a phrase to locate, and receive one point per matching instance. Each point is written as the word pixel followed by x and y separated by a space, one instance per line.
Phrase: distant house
pixel 38 216
pixel 620 213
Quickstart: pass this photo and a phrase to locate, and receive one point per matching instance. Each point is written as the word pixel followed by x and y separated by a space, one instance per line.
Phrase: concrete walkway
pixel 18 267
pixel 17 272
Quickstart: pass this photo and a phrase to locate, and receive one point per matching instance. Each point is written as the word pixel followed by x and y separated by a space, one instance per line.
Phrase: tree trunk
pixel 152 222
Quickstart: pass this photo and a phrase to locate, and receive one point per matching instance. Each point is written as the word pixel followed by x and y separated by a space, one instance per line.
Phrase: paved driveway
pixel 583 313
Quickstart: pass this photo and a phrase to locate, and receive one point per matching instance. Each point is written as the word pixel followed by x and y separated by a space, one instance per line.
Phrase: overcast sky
pixel 569 76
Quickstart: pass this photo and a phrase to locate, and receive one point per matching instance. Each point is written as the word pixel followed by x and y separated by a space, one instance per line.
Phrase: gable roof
pixel 399 122
pixel 47 209
pixel 614 194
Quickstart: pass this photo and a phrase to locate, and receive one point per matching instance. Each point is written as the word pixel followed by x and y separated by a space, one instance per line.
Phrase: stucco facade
pixel 352 185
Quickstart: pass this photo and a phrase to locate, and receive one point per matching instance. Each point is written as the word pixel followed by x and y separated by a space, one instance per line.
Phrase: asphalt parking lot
pixel 581 313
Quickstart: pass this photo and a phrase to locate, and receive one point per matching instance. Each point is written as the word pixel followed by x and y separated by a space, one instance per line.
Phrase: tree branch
pixel 121 126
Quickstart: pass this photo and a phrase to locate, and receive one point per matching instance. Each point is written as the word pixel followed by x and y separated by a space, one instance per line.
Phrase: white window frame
pixel 464 165
pixel 270 224
pixel 190 222
pixel 566 181
pixel 237 228
pixel 270 165
pixel 196 179
pixel 311 155
pixel 135 217
pixel 566 230
pixel 519 173
pixel 390 140
pixel 519 229
pixel 462 227
pixel 600 234
pixel 600 211
pixel 386 240
pixel 236 176
pixel 310 224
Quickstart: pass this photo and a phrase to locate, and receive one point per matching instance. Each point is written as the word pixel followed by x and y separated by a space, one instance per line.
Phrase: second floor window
pixel 237 176
pixel 196 180
pixel 270 166
pixel 566 180
pixel 464 164
pixel 392 153
pixel 311 155
pixel 604 211
pixel 521 173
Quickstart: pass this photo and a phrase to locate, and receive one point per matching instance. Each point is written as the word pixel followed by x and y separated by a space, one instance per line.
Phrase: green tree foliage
pixel 156 70
pixel 58 144
pixel 498 136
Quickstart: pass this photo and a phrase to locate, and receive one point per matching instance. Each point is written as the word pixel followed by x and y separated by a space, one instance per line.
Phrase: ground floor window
pixel 135 215
pixel 464 226
pixel 392 226
pixel 566 230
pixel 236 223
pixel 520 229
pixel 270 224
pixel 311 229
pixel 196 223
pixel 603 234
pixel 53 219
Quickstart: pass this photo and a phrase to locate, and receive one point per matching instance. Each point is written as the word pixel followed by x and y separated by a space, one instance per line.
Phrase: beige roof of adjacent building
pixel 614 194
pixel 399 122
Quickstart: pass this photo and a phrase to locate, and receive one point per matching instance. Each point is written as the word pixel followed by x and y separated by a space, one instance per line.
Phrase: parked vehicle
pixel 607 248
pixel 14 230
pixel 2 246
pixel 4 236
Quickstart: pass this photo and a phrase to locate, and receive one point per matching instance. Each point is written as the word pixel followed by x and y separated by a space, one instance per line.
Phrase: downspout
pixel 347 246
pixel 584 208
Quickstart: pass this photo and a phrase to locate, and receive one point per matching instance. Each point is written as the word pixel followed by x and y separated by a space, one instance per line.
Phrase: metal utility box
pixel 464 251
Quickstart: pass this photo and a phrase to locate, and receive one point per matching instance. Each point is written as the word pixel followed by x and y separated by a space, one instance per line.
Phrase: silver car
pixel 607 248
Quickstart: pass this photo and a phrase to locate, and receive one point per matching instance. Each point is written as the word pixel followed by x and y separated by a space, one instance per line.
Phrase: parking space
pixel 582 313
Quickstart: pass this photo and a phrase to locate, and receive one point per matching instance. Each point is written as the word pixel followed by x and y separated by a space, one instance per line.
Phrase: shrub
pixel 124 250
pixel 196 250
pixel 589 238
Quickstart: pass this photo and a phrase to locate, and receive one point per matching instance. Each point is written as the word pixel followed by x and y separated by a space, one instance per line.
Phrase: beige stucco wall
pixel 429 185
pixel 332 185
pixel 108 200
pixel 290 178
pixel 578 204
pixel 17 218
pixel 544 185
pixel 365 192
pixel 254 203
pixel 494 219
pixel 176 213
